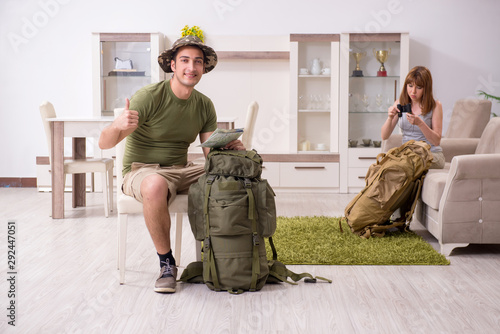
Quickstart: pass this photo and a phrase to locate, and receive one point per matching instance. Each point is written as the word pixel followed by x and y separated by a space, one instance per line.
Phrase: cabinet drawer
pixel 356 177
pixel 271 172
pixel 362 157
pixel 309 175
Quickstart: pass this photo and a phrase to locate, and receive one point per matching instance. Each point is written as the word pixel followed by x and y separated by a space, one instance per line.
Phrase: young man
pixel 161 121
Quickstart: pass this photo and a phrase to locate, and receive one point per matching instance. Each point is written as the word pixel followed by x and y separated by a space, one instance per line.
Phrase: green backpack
pixel 232 209
pixel 393 182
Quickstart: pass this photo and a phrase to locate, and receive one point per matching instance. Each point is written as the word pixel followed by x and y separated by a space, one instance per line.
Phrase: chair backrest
pixel 490 139
pixel 47 111
pixel 469 118
pixel 119 152
pixel 252 111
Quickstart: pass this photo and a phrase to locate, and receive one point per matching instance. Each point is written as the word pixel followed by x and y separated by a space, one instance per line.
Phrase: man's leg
pixel 154 190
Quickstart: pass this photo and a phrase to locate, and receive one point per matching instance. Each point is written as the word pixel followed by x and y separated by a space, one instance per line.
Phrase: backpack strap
pixel 207 246
pixel 281 273
pixel 255 237
pixel 193 273
pixel 416 196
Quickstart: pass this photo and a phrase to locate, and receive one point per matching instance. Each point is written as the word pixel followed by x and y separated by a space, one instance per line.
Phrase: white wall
pixel 45 48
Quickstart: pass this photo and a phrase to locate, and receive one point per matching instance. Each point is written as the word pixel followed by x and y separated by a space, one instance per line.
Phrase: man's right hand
pixel 121 127
pixel 128 120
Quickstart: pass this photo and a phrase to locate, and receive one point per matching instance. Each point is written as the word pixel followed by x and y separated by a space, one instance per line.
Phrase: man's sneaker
pixel 168 275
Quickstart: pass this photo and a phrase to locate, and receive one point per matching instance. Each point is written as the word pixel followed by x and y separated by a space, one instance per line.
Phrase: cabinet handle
pixel 309 167
pixel 367 158
pixel 361 177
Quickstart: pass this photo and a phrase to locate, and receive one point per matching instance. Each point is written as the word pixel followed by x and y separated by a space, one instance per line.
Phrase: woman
pixel 426 119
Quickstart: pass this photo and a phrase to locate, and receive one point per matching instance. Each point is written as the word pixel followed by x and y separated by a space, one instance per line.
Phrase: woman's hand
pixel 415 120
pixel 392 111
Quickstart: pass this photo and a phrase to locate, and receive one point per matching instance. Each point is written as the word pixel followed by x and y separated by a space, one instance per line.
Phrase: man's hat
pixel 166 56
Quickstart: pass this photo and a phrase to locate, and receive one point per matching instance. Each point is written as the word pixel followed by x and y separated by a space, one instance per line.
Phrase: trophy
pixel 381 56
pixel 358 56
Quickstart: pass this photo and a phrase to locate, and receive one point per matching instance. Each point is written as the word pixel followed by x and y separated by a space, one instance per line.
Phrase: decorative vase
pixel 315 68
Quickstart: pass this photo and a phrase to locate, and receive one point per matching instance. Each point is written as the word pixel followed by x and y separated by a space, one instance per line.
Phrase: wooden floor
pixel 67 282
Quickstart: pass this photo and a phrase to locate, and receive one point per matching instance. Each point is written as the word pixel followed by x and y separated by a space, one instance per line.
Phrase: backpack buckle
pixel 247 183
pixel 210 179
pixel 255 239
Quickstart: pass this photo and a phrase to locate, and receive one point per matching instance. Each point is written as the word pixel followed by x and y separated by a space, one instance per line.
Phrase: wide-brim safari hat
pixel 164 59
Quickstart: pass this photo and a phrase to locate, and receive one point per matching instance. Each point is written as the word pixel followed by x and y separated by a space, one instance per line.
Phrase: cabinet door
pixel 314 92
pixel 271 172
pixel 309 175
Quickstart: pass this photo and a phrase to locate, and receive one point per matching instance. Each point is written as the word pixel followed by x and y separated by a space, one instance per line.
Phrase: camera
pixel 405 108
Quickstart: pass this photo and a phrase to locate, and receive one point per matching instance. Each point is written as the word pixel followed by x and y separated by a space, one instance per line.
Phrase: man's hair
pixel 174 54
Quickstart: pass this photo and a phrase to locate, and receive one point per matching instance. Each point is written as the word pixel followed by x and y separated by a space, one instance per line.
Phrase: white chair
pixel 81 166
pixel 128 205
pixel 252 111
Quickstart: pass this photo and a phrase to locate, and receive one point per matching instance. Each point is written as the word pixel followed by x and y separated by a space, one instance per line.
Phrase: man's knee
pixel 154 187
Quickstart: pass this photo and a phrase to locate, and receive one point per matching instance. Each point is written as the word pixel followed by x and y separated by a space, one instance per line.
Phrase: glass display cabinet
pixel 372 67
pixel 122 64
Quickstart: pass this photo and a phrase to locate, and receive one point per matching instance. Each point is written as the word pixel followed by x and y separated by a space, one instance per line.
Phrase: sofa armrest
pixel 395 140
pixel 470 205
pixel 475 166
pixel 458 146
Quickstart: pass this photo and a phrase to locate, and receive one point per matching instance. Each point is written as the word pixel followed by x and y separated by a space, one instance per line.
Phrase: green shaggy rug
pixel 318 240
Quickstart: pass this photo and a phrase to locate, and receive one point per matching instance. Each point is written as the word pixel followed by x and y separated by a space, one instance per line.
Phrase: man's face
pixel 188 66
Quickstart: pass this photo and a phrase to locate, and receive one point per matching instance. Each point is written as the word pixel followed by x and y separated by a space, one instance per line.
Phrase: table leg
pixel 57 158
pixel 79 184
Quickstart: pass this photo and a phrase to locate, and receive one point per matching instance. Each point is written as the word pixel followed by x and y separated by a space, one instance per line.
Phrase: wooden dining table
pixel 79 129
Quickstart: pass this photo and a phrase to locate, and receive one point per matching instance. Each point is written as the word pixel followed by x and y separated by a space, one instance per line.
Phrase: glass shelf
pixel 315 110
pixel 375 77
pixel 314 76
pixel 367 112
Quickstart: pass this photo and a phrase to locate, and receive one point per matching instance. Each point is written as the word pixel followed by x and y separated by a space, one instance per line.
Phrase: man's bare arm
pixel 121 127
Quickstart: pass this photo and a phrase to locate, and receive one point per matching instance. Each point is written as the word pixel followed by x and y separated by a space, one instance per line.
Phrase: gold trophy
pixel 358 56
pixel 381 56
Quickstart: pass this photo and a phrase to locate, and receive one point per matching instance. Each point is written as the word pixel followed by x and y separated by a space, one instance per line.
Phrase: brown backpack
pixel 393 182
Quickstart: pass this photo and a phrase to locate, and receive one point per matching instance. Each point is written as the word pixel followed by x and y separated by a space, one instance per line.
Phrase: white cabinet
pixel 271 172
pixel 122 63
pixel 359 159
pixel 314 94
pixel 309 175
pixel 365 97
pixel 305 172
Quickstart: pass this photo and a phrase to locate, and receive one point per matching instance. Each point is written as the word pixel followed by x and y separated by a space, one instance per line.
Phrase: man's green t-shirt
pixel 167 125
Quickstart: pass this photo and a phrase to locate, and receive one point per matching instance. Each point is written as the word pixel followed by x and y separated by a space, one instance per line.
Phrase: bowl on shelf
pixel 353 143
pixel 377 143
pixel 367 142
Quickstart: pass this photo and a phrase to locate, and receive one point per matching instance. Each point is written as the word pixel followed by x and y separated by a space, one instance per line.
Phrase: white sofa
pixel 460 204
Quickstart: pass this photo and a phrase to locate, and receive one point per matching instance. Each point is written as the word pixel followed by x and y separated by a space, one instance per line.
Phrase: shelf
pixel 253 55
pixel 363 146
pixel 314 76
pixel 375 77
pixel 315 110
pixel 377 37
pixel 126 76
pixel 367 112
pixel 314 37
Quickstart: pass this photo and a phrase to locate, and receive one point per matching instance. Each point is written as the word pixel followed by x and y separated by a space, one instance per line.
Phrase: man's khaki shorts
pixel 178 178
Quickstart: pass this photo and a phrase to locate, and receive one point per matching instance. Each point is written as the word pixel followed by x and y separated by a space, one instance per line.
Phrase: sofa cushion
pixel 490 139
pixel 433 187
